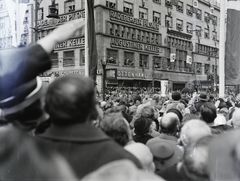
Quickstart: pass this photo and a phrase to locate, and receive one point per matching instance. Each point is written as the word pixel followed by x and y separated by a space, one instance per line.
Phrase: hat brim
pixel 222 164
pixel 175 158
pixel 202 99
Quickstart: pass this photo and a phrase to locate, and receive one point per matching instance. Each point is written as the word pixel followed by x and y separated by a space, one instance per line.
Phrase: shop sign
pixel 62 73
pixel 71 43
pixel 114 15
pixel 158 76
pixel 120 43
pixel 128 74
pixel 62 19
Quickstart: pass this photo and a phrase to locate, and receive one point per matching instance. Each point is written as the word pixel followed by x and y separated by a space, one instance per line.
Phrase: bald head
pixel 169 123
pixel 70 99
pixel 236 118
pixel 194 130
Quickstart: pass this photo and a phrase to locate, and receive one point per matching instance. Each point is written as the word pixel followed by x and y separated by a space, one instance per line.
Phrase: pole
pixel 153 76
pixel 222 49
pixel 36 19
pixel 104 81
pixel 86 41
pixel 215 72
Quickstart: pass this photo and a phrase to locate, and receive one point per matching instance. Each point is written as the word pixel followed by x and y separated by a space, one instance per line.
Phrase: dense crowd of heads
pixel 69 133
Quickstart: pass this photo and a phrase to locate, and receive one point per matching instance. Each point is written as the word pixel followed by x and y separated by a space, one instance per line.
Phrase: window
pixel 206 69
pixel 189 10
pixel 111 28
pixel 179 25
pixel 54 59
pixel 157 1
pixel 112 56
pixel 82 57
pixel 143 13
pixel 206 17
pixel 56 6
pixel 156 17
pixel 157 63
pixel 122 32
pixel 129 59
pixel 199 31
pixel 111 4
pixel 168 22
pixel 199 14
pixel 180 7
pixel 206 33
pixel 199 68
pixel 189 28
pixel 68 58
pixel 214 20
pixel 117 32
pixel 168 3
pixel 214 33
pixel 25 21
pixel 69 6
pixel 128 8
pixel 40 14
pixel 213 69
pixel 143 62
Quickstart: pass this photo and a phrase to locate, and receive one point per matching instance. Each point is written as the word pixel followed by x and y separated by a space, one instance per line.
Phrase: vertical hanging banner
pixel 232 56
pixel 189 59
pixel 91 40
pixel 173 55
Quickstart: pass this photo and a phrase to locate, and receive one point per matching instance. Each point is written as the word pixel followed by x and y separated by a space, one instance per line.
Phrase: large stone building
pixel 168 42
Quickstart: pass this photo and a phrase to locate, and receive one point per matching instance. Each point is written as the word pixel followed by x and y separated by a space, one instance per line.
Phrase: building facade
pixel 171 43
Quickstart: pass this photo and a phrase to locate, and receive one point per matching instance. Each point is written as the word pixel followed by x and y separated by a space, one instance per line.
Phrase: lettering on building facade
pixel 62 19
pixel 71 43
pixel 121 43
pixel 114 15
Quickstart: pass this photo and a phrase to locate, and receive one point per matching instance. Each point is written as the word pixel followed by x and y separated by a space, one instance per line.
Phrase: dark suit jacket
pixel 23 157
pixel 85 147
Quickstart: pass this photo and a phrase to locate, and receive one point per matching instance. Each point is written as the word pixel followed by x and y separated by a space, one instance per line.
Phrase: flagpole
pixel 86 41
pixel 222 49
pixel 18 23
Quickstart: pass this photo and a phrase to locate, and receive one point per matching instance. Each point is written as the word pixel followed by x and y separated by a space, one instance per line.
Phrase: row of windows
pixel 159 63
pixel 190 29
pixel 206 50
pixel 134 34
pixel 179 44
pixel 6 42
pixel 143 12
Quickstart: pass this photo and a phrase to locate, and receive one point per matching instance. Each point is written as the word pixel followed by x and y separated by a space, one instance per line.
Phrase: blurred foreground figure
pixel 71 104
pixel 22 157
pixel 119 171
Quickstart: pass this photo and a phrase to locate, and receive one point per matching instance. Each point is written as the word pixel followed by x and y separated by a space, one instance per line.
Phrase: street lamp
pixel 53 11
pixel 53 14
pixel 104 64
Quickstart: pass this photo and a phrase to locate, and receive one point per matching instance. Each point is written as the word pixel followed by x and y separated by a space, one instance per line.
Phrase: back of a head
pixel 236 118
pixel 176 96
pixel 116 126
pixel 120 170
pixel 143 154
pixel 147 112
pixel 192 131
pixel 169 123
pixel 70 99
pixel 196 160
pixel 208 112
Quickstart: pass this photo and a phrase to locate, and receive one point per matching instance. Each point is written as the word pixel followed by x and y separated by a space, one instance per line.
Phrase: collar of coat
pixel 83 132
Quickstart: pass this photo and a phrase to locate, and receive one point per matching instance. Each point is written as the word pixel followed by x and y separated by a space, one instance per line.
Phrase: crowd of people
pixel 67 133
